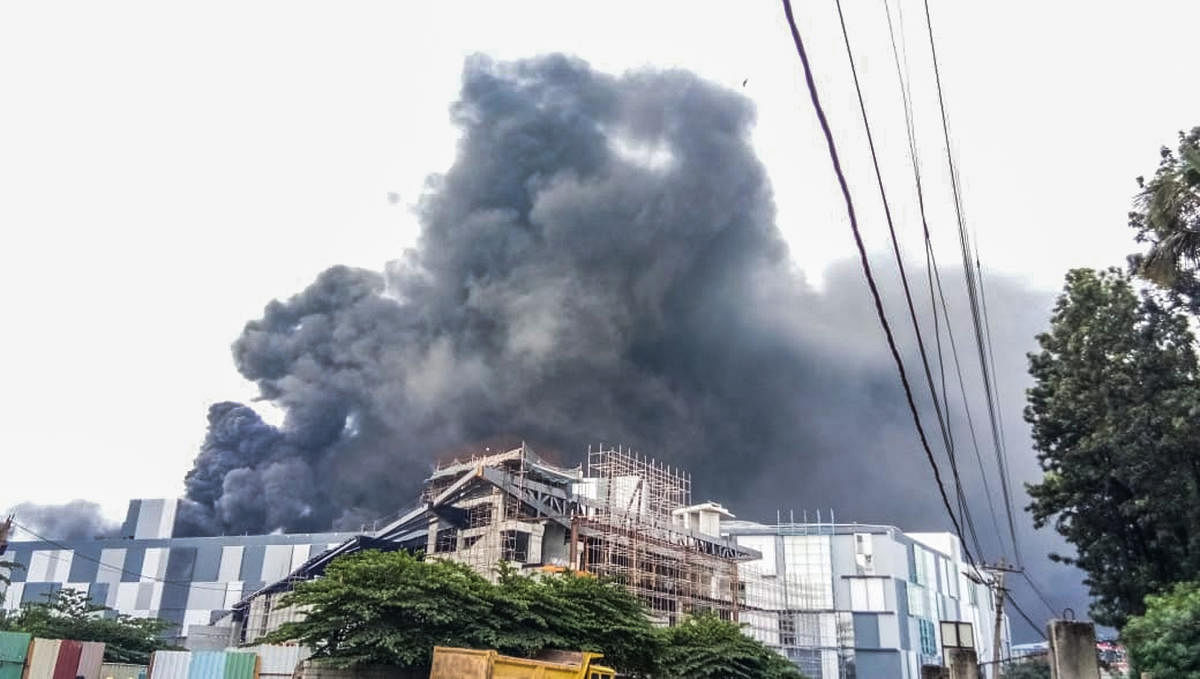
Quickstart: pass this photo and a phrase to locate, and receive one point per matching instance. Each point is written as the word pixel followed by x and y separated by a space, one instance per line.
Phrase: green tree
pixel 706 647
pixel 1166 216
pixel 69 614
pixel 578 612
pixel 393 608
pixel 1028 669
pixel 6 569
pixel 1115 413
pixel 1166 640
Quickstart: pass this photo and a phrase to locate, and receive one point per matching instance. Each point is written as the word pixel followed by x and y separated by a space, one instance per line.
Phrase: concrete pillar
pixel 935 672
pixel 963 663
pixel 1073 650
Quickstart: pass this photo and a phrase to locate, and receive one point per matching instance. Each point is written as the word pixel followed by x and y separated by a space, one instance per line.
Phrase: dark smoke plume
pixel 600 263
pixel 68 521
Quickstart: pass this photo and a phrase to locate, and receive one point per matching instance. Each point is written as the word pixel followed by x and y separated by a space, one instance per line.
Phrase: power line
pixel 972 292
pixel 987 327
pixel 1029 620
pixel 1038 592
pixel 943 424
pixel 866 265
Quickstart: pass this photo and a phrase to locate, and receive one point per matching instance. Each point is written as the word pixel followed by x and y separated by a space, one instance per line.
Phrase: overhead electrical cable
pixel 943 424
pixel 987 328
pixel 972 291
pixel 932 271
pixel 1037 628
pixel 1037 590
pixel 866 265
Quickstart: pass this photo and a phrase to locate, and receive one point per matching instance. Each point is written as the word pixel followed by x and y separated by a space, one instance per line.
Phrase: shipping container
pixel 90 660
pixel 207 665
pixel 43 656
pixel 14 648
pixel 241 665
pixel 169 664
pixel 277 661
pixel 116 670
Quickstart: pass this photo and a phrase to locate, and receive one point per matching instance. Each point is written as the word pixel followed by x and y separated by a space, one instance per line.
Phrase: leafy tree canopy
pixel 706 647
pixel 1166 216
pixel 1028 669
pixel 69 614
pixel 393 608
pixel 1166 640
pixel 1115 413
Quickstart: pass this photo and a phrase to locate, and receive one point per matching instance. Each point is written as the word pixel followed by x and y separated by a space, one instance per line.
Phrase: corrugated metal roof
pixel 67 666
pixel 241 666
pixel 277 660
pixel 113 670
pixel 90 660
pixel 169 664
pixel 14 647
pixel 43 656
pixel 206 665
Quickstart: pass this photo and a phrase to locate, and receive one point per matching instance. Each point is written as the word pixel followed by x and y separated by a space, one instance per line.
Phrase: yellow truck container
pixel 467 663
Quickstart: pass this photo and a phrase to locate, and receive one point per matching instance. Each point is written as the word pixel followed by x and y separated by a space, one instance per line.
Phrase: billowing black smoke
pixel 67 521
pixel 600 263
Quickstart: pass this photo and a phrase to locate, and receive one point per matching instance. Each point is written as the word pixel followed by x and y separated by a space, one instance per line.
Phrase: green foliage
pixel 576 612
pixel 706 647
pixel 1115 411
pixel 1031 669
pixel 1167 217
pixel 393 608
pixel 1166 640
pixel 6 568
pixel 68 614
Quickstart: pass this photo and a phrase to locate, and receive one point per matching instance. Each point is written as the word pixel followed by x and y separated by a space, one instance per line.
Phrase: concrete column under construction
pixel 1073 650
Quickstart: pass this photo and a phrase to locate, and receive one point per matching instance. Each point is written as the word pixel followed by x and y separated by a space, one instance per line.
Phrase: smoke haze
pixel 71 520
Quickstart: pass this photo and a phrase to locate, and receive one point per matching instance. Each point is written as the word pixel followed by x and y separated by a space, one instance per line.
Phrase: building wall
pixel 181 580
pixel 885 591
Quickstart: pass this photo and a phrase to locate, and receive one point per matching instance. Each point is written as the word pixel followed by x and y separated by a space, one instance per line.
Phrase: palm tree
pixel 1167 216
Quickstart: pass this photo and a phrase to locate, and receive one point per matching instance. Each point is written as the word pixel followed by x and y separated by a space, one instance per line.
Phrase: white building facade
pixel 863 601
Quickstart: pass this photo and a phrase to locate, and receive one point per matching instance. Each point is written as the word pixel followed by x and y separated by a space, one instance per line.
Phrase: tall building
pixel 144 571
pixel 866 601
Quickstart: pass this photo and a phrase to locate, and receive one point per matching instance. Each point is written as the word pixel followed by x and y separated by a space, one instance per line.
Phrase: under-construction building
pixel 621 515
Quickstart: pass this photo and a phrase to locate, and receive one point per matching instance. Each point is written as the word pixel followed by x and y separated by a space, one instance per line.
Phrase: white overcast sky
pixel 167 168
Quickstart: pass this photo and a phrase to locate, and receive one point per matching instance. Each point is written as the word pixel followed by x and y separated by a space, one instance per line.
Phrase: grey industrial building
pixel 146 572
pixel 839 600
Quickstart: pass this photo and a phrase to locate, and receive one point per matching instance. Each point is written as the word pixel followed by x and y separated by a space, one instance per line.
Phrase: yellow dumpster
pixel 467 663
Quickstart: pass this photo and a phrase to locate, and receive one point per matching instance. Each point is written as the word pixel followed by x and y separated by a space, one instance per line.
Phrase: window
pixel 516 546
pixel 787 629
pixel 808 568
pixel 957 634
pixel 864 558
pixel 470 540
pixel 867 594
pixel 928 637
pixel 447 541
pixel 479 515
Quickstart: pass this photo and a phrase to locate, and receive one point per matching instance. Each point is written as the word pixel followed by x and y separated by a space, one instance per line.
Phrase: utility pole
pixel 998 571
